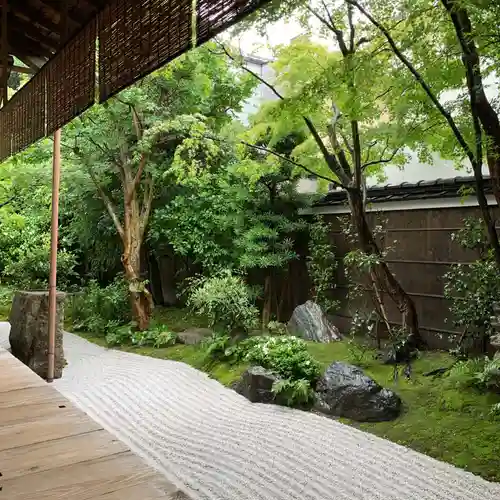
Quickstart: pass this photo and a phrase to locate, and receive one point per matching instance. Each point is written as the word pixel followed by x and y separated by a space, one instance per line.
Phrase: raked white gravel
pixel 219 446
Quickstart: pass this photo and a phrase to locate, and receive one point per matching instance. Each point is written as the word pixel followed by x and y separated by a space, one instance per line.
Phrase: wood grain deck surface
pixel 49 449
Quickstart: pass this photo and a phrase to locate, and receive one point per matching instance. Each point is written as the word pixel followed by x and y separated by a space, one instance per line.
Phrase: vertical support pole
pixel 54 228
pixel 56 177
pixel 5 52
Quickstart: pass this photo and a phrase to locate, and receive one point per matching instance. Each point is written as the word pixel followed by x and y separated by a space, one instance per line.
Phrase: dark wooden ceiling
pixel 36 29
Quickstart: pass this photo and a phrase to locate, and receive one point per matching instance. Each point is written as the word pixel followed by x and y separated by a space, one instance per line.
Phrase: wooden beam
pixel 33 16
pixel 28 60
pixel 23 27
pixel 22 69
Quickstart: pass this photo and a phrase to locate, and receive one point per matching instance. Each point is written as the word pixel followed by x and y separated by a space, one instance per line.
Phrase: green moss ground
pixel 438 420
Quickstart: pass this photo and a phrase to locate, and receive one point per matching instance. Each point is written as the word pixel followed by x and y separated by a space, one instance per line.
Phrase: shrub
pixel 119 335
pixel 225 300
pixel 158 337
pixel 362 327
pixel 495 410
pixel 101 309
pixel 217 348
pixel 462 374
pixel 489 377
pixel 277 328
pixel 287 356
pixel 473 288
pixel 5 302
pixel 295 392
pixel 322 265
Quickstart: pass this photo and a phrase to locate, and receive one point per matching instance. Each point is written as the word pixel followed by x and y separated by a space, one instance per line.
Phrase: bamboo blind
pixel 71 79
pixel 135 37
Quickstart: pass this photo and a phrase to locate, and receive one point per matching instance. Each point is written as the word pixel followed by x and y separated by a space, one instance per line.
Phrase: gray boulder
pixel 29 337
pixel 345 391
pixel 193 336
pixel 309 322
pixel 256 385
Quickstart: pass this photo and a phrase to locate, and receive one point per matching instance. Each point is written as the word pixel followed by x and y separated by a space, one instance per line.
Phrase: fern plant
pixel 294 392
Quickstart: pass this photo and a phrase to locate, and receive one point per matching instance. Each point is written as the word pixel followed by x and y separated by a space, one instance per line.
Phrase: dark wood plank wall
pixel 422 254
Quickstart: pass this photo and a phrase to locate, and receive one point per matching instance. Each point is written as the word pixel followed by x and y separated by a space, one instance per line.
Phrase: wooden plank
pixel 31 395
pixel 49 449
pixel 47 455
pixel 83 481
pixel 34 431
pixel 155 491
pixel 13 378
pixel 30 412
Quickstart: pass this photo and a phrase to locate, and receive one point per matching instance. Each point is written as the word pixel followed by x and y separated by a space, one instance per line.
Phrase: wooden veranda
pixel 79 52
pixel 49 449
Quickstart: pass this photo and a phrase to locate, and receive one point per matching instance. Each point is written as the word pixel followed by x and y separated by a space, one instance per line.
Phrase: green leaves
pixel 226 301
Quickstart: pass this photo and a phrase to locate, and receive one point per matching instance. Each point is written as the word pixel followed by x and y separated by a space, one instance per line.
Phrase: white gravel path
pixel 222 447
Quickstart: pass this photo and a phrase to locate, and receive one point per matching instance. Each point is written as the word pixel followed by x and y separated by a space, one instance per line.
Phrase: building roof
pixel 422 190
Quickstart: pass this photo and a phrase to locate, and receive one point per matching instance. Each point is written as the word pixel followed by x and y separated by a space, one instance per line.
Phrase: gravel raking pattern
pixel 218 446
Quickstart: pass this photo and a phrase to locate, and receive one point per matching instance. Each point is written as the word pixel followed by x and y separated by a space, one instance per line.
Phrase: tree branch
pixel 146 205
pixel 420 80
pixel 140 170
pixel 330 159
pixel 293 162
pixel 107 203
pixel 352 30
pixel 137 123
pixel 248 70
pixel 330 24
pixel 382 159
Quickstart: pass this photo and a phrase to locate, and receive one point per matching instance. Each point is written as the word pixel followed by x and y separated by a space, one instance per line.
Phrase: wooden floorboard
pixel 49 449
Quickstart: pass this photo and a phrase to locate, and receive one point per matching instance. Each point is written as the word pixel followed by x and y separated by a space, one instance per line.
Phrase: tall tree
pixel 431 56
pixel 334 98
pixel 130 145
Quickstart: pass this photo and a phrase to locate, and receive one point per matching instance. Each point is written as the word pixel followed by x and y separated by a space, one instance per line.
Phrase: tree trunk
pixel 266 309
pixel 140 297
pixel 385 278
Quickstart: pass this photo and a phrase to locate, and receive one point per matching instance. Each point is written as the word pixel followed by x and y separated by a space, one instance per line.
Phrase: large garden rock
pixel 29 331
pixel 193 336
pixel 345 391
pixel 309 322
pixel 256 385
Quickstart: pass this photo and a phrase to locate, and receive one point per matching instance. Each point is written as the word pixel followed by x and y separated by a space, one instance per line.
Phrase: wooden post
pixel 54 232
pixel 56 176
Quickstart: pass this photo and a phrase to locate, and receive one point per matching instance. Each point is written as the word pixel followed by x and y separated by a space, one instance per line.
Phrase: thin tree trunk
pixel 480 104
pixel 385 278
pixel 266 310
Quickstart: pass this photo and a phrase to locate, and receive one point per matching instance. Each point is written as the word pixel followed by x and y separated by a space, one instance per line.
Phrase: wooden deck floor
pixel 49 449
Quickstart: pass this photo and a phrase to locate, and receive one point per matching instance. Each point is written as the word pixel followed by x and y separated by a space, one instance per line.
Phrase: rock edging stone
pixel 345 391
pixel 29 331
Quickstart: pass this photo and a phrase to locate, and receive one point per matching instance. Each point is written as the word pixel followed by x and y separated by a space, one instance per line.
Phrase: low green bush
pixel 5 302
pixel 463 374
pixel 226 301
pixel 101 310
pixel 489 377
pixel 286 356
pixel 295 392
pixel 157 337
